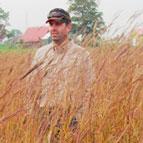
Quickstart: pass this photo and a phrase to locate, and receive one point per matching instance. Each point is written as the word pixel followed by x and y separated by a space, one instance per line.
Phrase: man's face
pixel 59 31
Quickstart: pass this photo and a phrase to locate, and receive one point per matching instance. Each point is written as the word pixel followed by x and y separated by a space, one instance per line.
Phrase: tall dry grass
pixel 115 113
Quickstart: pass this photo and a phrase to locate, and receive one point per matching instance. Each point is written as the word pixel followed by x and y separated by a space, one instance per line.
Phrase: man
pixel 66 67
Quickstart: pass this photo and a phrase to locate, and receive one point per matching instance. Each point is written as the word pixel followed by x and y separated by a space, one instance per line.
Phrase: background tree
pixel 85 16
pixel 4 17
pixel 13 33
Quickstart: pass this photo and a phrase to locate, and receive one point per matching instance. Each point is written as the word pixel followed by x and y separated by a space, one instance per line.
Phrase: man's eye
pixel 50 23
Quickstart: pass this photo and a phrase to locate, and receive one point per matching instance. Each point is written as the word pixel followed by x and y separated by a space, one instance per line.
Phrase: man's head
pixel 59 24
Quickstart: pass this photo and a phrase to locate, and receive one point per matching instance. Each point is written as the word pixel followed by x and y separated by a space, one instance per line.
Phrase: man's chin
pixel 55 38
pixel 57 41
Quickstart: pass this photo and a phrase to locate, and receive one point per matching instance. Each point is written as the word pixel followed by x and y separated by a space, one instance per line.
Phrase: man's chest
pixel 55 62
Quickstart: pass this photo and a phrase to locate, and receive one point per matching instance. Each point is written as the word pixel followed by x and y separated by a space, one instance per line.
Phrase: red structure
pixel 33 36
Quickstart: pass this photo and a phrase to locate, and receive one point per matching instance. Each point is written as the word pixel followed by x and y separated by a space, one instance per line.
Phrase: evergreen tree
pixel 4 17
pixel 85 16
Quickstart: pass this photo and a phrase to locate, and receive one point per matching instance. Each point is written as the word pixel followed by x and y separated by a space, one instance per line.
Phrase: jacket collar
pixel 62 47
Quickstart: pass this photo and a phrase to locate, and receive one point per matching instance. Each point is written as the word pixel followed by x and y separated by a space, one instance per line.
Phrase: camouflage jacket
pixel 67 73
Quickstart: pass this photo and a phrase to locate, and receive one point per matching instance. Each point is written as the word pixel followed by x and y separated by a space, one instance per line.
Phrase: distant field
pixel 115 114
pixel 12 48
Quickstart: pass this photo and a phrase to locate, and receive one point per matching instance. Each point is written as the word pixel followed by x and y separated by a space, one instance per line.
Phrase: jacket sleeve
pixel 89 71
pixel 31 79
pixel 89 79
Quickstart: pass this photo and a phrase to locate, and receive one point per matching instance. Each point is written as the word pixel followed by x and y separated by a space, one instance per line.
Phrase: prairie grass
pixel 115 113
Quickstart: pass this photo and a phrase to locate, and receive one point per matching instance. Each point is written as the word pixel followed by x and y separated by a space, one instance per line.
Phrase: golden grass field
pixel 115 114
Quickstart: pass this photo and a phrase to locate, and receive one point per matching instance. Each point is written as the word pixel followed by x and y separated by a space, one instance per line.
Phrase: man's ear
pixel 69 27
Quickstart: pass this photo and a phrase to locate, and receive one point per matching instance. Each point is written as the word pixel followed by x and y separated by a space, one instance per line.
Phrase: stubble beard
pixel 59 40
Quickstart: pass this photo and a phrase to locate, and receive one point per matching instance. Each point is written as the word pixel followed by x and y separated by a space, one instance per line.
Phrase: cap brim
pixel 54 19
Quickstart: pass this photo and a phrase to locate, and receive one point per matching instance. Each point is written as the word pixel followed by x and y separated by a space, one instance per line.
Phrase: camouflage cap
pixel 59 15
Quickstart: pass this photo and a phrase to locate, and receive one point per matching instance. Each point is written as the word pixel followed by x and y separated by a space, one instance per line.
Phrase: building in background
pixel 35 37
pixel 136 36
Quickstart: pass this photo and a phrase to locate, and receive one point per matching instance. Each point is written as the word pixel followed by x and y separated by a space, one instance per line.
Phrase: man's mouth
pixel 54 33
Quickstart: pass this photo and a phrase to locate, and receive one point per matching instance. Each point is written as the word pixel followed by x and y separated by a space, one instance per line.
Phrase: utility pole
pixel 26 20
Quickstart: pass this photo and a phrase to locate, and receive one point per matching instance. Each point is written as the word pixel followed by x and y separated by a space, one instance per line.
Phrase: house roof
pixel 34 34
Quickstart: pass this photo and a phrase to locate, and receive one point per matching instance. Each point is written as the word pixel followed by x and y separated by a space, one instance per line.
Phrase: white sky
pixel 25 13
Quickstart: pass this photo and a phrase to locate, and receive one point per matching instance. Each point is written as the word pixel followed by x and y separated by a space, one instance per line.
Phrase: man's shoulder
pixel 40 53
pixel 78 49
pixel 75 46
pixel 44 49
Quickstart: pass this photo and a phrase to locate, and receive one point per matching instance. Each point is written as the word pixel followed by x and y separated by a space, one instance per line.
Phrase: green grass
pixel 4 48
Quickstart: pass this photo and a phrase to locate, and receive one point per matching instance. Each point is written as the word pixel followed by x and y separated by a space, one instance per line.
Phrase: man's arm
pixel 31 75
pixel 88 75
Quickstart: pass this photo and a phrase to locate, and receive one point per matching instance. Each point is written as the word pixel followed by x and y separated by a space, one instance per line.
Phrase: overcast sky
pixel 25 13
